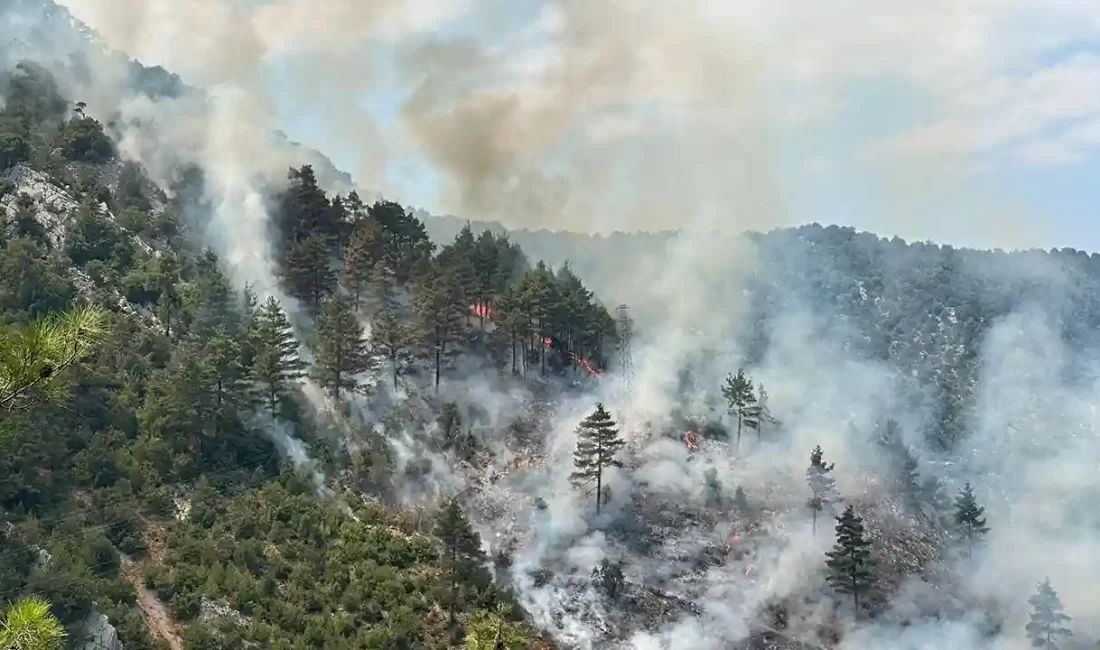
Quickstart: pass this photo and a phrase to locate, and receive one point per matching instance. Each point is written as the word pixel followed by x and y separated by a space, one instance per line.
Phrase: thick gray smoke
pixel 639 115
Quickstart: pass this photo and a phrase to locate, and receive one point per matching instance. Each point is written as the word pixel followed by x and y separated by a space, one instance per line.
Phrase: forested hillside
pixel 159 469
pixel 401 437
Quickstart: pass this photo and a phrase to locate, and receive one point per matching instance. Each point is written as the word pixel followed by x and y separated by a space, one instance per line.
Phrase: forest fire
pixel 483 310
pixel 690 441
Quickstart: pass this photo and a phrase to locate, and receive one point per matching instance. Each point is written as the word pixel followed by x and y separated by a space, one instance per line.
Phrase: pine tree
pixel 763 411
pixel 341 348
pixel 275 364
pixel 28 624
pixel 822 486
pixel 742 403
pixel 363 251
pixel 355 208
pixel 304 210
pixel 383 286
pixel 462 555
pixel 969 517
pixel 308 272
pixel 1047 620
pixel 168 299
pixel 440 314
pixel 33 355
pixel 597 443
pixel 849 563
pixel 909 478
pixel 390 337
pixel 935 502
pixel 227 389
pixel 609 579
pixel 493 631
pixel 488 271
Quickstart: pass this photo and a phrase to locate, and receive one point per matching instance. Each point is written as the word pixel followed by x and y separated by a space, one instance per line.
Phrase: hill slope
pixel 299 471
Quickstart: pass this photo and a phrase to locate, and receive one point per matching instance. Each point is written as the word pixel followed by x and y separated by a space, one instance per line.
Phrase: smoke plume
pixel 641 115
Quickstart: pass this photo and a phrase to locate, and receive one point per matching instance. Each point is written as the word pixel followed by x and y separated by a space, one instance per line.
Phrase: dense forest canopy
pixel 408 439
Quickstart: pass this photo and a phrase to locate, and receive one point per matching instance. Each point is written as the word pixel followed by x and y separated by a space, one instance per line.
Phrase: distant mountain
pixel 48 34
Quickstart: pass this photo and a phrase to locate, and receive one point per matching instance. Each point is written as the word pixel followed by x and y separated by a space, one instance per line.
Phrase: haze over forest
pixel 250 396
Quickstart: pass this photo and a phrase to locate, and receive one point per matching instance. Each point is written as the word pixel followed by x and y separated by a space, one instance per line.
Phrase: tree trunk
pixel 814 528
pixel 599 488
pixel 438 361
pixel 454 583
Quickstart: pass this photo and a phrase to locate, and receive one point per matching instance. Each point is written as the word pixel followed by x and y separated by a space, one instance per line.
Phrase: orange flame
pixel 690 441
pixel 484 310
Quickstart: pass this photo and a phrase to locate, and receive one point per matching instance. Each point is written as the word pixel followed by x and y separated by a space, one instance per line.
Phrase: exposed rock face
pixel 95 632
pixel 54 207
pixel 54 210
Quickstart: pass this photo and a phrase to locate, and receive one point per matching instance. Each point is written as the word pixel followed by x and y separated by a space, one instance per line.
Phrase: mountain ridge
pixel 279 493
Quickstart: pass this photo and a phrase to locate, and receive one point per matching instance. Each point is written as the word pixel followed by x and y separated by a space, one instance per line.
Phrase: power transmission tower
pixel 624 326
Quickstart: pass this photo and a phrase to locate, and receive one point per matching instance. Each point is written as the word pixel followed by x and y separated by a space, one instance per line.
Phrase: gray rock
pixel 95 632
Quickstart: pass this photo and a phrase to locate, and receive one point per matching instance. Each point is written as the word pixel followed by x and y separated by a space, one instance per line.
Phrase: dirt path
pixel 156 616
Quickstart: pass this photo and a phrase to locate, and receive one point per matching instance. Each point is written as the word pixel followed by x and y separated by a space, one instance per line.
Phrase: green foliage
pixel 849 563
pixel 29 625
pixel 341 348
pixel 1047 624
pixel 13 149
pixel 969 517
pixel 493 631
pixel 609 578
pixel 94 237
pixel 131 195
pixel 822 486
pixel 440 311
pixel 304 573
pixel 742 403
pixel 32 356
pixel 82 139
pixel 598 442
pixel 390 337
pixel 308 270
pixel 32 286
pixel 276 365
pixel 462 558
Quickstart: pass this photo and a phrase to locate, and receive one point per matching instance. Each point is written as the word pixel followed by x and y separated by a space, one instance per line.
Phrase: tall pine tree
pixel 440 314
pixel 307 271
pixel 822 486
pixel 763 412
pixel 969 517
pixel 227 389
pixel 849 563
pixel 390 337
pixel 341 348
pixel 275 364
pixel 1047 622
pixel 462 556
pixel 742 402
pixel 597 443
pixel 363 251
